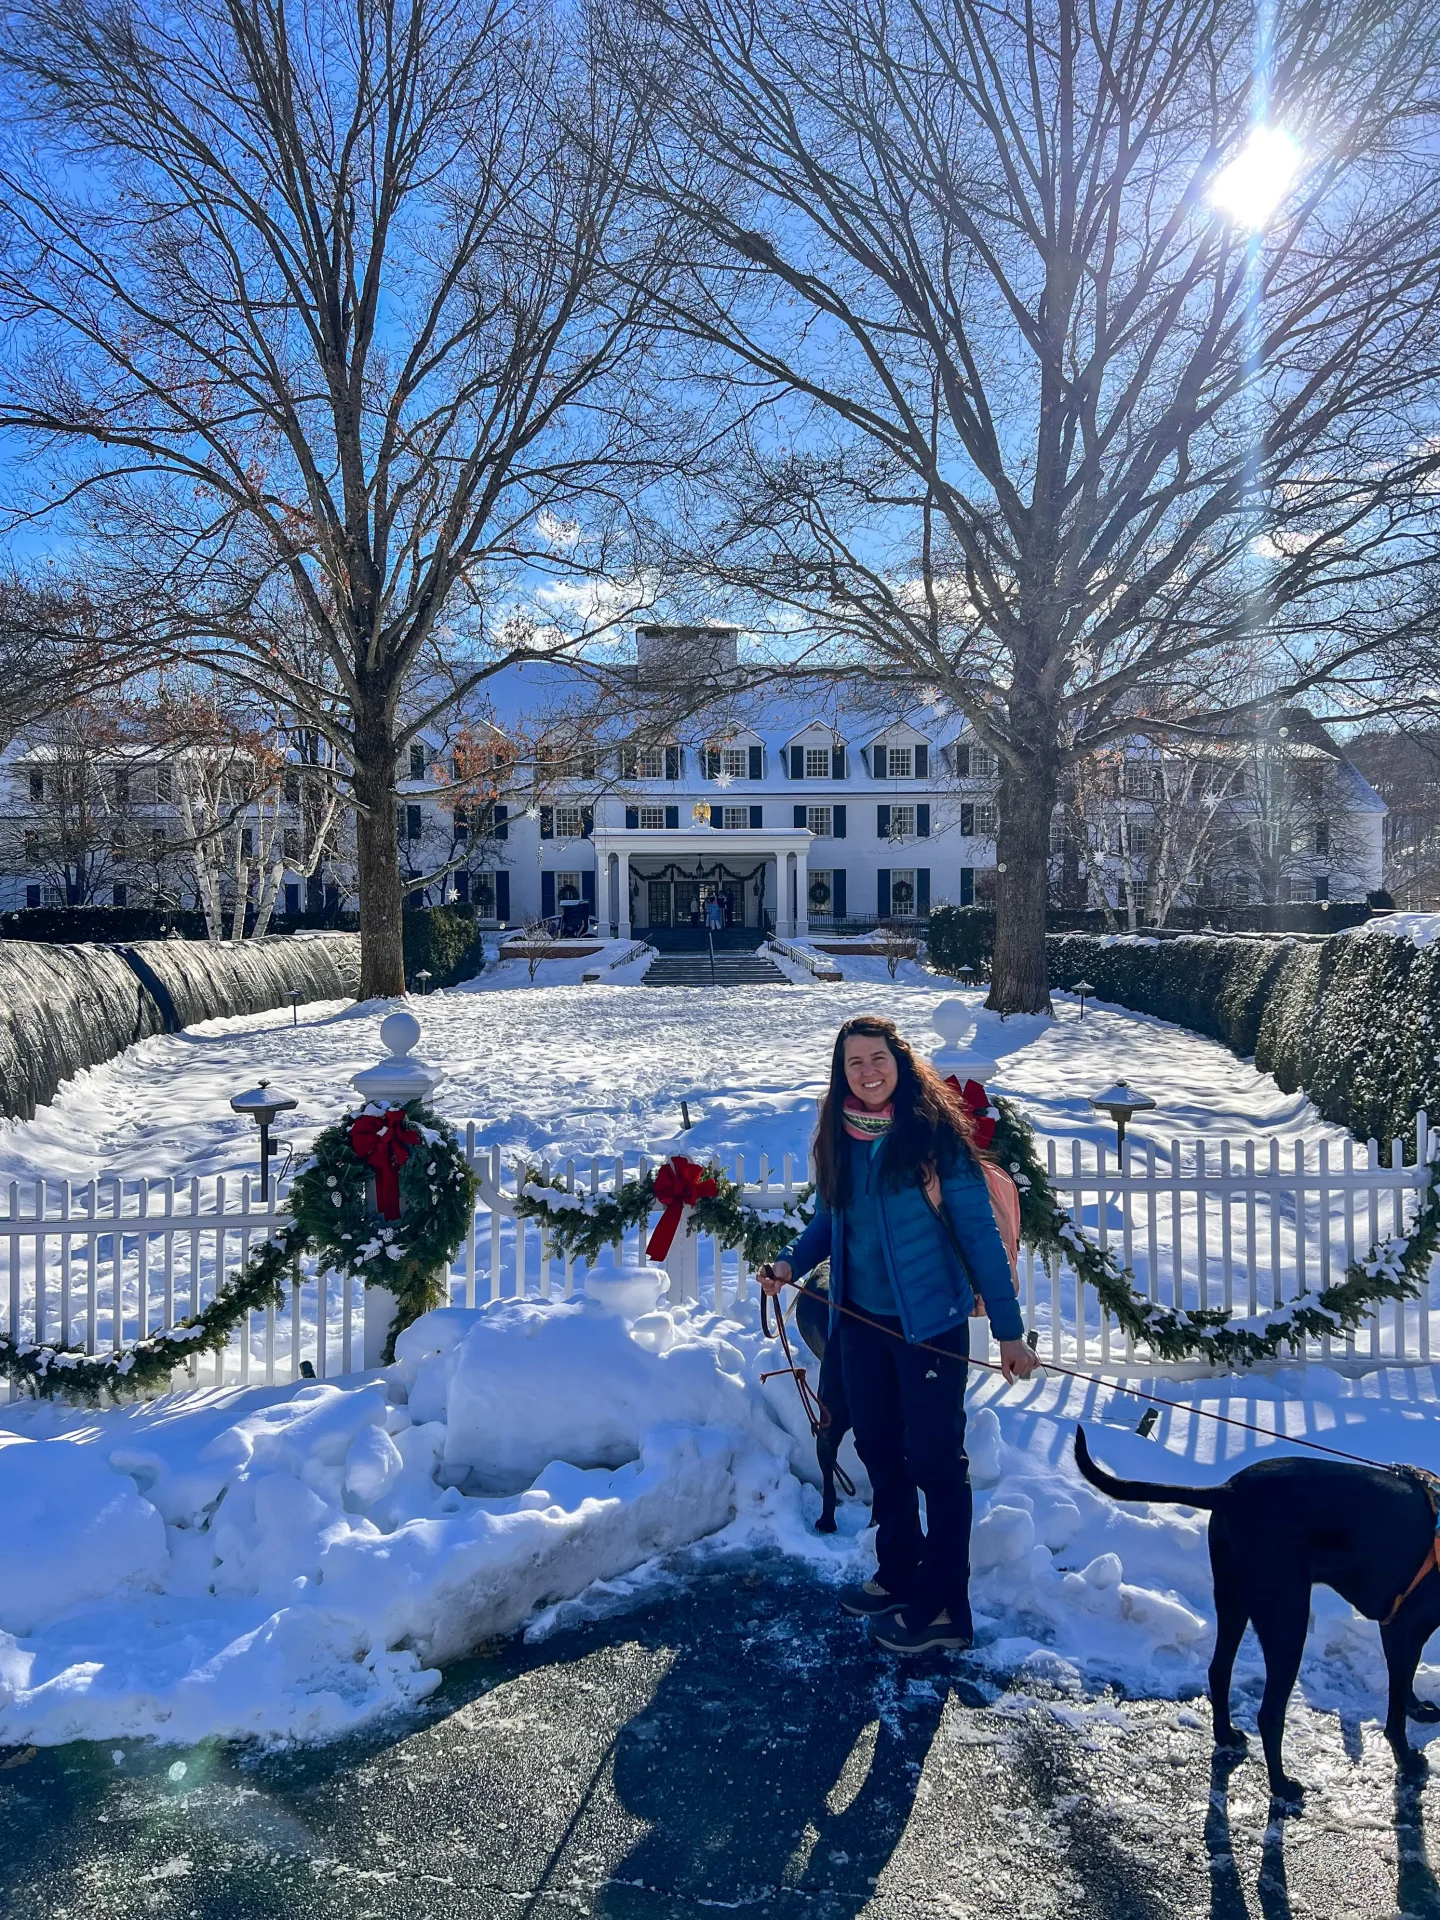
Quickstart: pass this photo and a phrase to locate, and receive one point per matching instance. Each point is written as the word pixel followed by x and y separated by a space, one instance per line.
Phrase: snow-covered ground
pixel 289 1563
pixel 603 1069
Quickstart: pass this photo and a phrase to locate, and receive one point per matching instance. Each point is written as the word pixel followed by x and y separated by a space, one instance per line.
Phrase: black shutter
pixel 882 825
pixel 967 819
pixel 587 888
pixel 922 821
pixel 587 821
pixel 800 816
pixel 502 896
pixel 757 763
pixel 962 763
pixel 547 894
pixel 672 816
pixel 922 763
pixel 547 825
pixel 632 818
pixel 967 886
pixel 882 893
pixel 757 818
pixel 837 763
pixel 717 816
pixel 501 820
pixel 672 763
pixel 414 825
pixel 837 816
pixel 922 890
pixel 877 763
pixel 837 893
pixel 797 763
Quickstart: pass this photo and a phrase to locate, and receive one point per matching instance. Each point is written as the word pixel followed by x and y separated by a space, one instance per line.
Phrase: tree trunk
pixel 382 946
pixel 1019 983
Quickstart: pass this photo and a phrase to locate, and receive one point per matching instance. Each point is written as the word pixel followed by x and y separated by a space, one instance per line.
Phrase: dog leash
pixel 816 1412
pixel 1070 1373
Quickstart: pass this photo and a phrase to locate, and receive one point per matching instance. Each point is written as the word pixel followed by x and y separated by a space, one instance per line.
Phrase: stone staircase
pixel 732 969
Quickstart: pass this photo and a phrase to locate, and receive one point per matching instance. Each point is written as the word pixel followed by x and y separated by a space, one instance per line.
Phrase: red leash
pixel 1049 1366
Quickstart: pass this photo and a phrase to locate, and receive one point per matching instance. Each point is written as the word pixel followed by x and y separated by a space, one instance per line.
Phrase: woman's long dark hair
pixel 932 1125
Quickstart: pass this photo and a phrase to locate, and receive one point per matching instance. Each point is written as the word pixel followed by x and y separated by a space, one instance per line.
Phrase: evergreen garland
pixel 333 1215
pixel 581 1225
pixel 1395 1270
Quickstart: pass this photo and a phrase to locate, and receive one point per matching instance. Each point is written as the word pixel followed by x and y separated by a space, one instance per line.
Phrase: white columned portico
pixel 737 848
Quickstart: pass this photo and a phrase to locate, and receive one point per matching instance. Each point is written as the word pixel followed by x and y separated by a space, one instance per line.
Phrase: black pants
pixel 908 1411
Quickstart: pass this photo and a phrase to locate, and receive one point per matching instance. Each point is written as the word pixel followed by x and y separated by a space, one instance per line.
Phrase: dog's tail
pixel 1208 1497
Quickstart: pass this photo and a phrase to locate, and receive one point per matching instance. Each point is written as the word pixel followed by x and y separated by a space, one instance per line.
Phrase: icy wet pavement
pixel 731 1747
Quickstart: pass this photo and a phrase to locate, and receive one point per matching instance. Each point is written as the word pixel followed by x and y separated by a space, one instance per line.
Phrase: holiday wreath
pixel 387 1197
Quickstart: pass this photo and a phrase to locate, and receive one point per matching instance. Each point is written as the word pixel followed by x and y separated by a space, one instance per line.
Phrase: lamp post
pixel 295 996
pixel 262 1103
pixel 1122 1102
pixel 423 976
pixel 1085 991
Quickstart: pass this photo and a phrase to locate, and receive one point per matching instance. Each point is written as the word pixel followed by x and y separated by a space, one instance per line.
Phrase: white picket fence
pixel 1245 1225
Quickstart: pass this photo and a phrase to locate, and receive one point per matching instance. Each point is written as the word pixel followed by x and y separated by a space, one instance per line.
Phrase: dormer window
pixel 901 763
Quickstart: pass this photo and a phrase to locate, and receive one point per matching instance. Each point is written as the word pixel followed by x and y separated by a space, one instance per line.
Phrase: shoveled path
pixel 733 1747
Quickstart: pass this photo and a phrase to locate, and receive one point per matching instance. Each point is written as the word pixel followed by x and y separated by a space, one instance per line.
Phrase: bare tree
pixel 322 317
pixel 1092 341
pixel 84 813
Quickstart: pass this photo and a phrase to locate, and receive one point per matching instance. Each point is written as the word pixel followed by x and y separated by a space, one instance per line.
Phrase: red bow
pixel 978 1101
pixel 383 1142
pixel 678 1184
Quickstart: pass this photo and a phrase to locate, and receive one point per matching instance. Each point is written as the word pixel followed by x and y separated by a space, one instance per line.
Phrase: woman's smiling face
pixel 870 1069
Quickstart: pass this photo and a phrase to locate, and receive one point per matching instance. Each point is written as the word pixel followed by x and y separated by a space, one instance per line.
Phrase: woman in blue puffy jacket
pixel 904 1219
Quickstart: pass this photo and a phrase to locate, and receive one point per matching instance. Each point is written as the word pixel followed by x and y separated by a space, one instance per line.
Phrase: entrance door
pixel 731 898
pixel 659 903
pixel 687 903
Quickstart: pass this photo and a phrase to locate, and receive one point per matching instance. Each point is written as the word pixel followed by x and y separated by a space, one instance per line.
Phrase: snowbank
pixel 1420 929
pixel 289 1564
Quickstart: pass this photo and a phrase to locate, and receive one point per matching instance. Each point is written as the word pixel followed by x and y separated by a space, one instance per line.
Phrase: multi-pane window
pixel 292 839
pixel 733 817
pixel 900 762
pixel 37 786
pixel 652 764
pixel 902 892
pixel 568 824
pixel 820 820
pixel 567 887
pixel 902 822
pixel 1138 779
pixel 1137 836
pixel 652 818
pixel 292 789
pixel 417 761
pixel 982 763
pixel 817 763
pixel 734 763
pixel 985 822
pixel 821 891
pixel 1135 893
pixel 157 842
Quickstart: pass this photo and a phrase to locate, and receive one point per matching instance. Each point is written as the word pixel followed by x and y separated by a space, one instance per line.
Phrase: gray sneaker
pixel 871 1601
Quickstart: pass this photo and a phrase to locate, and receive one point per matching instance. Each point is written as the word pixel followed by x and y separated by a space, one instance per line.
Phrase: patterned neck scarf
pixel 866 1123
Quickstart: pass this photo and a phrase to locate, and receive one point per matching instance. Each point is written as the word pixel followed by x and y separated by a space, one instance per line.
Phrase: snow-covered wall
pixel 64 1008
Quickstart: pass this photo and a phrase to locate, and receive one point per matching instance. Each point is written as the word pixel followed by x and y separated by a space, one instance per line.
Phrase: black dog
pixel 812 1317
pixel 1276 1530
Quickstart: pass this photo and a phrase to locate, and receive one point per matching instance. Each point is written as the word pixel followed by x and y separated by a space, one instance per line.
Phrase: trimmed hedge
pixel 446 942
pixel 62 926
pixel 1353 1022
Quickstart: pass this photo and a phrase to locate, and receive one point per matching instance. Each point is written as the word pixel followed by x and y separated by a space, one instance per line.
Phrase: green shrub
pixel 445 942
pixel 961 937
pixel 1352 1023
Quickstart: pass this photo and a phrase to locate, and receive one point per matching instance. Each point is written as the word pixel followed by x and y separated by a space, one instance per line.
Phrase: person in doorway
pixel 714 914
pixel 904 1218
